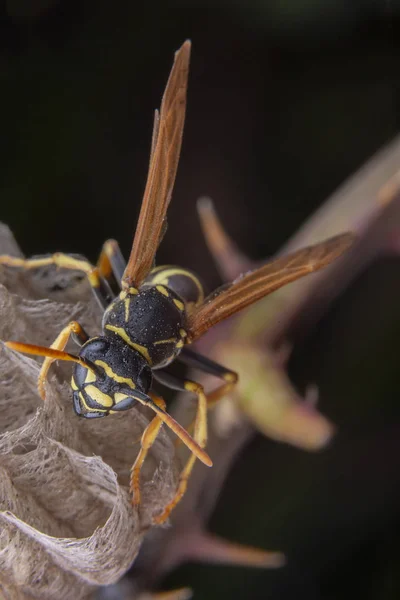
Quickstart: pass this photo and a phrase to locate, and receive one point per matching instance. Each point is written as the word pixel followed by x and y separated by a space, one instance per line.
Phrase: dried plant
pixel 258 344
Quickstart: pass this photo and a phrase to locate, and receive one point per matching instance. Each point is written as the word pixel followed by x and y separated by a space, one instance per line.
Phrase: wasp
pixel 159 311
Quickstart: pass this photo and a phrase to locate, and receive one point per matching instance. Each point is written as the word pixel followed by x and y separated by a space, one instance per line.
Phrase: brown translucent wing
pixel 164 158
pixel 253 286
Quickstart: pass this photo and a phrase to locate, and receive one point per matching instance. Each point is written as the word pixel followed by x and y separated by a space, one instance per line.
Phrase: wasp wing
pixel 250 287
pixel 154 136
pixel 164 158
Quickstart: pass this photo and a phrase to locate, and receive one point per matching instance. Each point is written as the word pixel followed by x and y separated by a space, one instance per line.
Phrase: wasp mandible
pixel 159 311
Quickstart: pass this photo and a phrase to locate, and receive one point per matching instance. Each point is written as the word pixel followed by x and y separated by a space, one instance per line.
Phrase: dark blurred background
pixel 286 99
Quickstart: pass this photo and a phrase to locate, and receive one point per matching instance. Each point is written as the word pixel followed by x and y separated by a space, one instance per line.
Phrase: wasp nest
pixel 67 523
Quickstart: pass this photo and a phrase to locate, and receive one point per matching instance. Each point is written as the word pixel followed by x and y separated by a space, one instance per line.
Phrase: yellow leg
pixel 200 435
pixel 148 439
pixel 59 344
pixel 231 379
pixel 111 261
pixel 197 361
pixel 59 260
pixel 223 390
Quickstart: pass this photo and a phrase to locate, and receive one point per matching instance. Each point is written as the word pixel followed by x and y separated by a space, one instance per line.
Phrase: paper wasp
pixel 159 311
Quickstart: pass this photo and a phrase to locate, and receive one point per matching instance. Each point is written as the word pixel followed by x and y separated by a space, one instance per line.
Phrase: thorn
pixel 282 354
pixel 390 190
pixel 227 257
pixel 208 548
pixel 311 396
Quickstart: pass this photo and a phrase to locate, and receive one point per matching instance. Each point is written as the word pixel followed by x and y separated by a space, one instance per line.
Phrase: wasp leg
pixel 148 439
pixel 197 361
pixel 111 262
pixel 200 433
pixel 73 330
pixel 100 287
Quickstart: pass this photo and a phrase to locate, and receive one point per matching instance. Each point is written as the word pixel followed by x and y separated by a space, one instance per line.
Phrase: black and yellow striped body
pixel 142 330
pixel 152 319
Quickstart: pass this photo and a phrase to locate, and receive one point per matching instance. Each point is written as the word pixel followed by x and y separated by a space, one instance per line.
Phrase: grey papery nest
pixel 67 523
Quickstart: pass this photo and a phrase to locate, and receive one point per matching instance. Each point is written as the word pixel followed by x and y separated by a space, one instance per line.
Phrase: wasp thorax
pixel 109 386
pixel 151 321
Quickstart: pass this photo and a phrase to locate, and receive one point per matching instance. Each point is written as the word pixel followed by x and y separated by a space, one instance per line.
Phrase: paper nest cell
pixel 66 522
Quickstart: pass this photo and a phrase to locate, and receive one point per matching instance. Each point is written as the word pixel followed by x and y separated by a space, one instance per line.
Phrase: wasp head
pixel 115 374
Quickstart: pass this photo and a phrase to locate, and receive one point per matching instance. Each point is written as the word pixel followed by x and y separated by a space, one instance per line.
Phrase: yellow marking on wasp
pixel 89 408
pixel 73 384
pixel 127 302
pixel 98 396
pixel 180 344
pixel 162 290
pixel 163 274
pixel 110 373
pixel 179 304
pixel 182 333
pixel 123 295
pixel 169 341
pixel 90 377
pixel 133 290
pixel 122 334
pixel 118 397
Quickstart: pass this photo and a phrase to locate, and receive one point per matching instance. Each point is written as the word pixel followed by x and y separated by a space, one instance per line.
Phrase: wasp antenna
pixel 51 353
